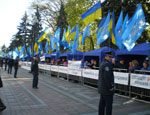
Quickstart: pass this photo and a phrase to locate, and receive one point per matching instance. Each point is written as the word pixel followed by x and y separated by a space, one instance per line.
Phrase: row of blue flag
pixel 123 34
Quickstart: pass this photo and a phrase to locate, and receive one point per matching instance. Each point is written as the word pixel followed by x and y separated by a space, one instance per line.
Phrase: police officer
pixel 35 70
pixel 10 64
pixel 16 67
pixel 6 62
pixel 106 85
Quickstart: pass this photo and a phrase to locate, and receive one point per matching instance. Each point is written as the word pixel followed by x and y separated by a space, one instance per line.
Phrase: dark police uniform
pixel 16 68
pixel 10 64
pixel 6 63
pixel 35 70
pixel 105 83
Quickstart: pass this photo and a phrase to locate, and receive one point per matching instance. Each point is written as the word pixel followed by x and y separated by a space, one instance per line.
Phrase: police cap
pixel 110 54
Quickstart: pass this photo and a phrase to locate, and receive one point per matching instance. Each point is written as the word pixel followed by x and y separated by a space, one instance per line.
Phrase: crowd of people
pixel 9 63
pixel 60 61
pixel 105 77
pixel 132 66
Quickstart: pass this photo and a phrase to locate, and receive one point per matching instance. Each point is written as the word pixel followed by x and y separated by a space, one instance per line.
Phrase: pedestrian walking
pixel 106 85
pixel 35 70
pixel 10 64
pixel 16 64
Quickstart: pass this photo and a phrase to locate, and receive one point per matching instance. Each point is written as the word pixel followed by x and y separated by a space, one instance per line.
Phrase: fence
pixel 129 84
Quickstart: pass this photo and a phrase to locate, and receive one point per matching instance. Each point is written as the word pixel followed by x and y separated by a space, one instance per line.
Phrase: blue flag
pixel 76 40
pixel 134 28
pixel 100 25
pixel 118 31
pixel 40 48
pixel 29 51
pixel 22 50
pixel 93 13
pixel 103 33
pixel 57 39
pixel 17 51
pixel 63 38
pixel 112 28
pixel 86 33
pixel 125 23
pixel 51 43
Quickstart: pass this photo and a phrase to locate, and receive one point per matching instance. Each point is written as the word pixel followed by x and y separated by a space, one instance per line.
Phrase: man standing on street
pixel 6 63
pixel 106 85
pixel 35 70
pixel 10 64
pixel 16 67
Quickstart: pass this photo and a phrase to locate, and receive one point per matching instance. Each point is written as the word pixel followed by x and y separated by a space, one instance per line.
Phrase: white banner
pixel 26 67
pixel 41 66
pixel 89 73
pixel 54 68
pixel 42 58
pixel 63 69
pixel 121 78
pixel 140 80
pixel 47 67
pixel 74 68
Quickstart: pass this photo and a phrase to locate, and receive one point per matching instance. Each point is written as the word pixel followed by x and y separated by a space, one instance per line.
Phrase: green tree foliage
pixel 49 10
pixel 61 19
pixel 74 8
pixel 36 26
pixel 3 48
pixel 22 36
pixel 23 32
pixel 61 13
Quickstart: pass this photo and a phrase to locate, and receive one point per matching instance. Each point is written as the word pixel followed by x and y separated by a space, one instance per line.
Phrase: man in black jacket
pixel 16 63
pixel 106 85
pixel 35 70
pixel 6 62
pixel 10 64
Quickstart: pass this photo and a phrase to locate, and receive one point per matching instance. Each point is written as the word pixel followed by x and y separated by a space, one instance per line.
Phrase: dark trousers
pixel 9 69
pixel 15 73
pixel 35 80
pixel 5 67
pixel 105 104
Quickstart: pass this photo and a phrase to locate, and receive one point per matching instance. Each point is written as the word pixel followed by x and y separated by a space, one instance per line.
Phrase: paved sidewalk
pixel 58 97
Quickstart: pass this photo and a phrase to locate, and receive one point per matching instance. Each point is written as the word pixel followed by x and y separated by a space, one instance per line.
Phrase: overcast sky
pixel 11 12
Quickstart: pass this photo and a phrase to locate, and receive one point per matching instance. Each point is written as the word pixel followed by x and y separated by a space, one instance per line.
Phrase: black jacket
pixel 106 78
pixel 35 67
pixel 11 62
pixel 16 64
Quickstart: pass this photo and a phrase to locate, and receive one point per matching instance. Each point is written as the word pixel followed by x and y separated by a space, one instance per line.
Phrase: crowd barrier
pixel 129 84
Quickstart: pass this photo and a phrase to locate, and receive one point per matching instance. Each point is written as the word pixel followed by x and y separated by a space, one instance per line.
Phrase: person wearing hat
pixel 106 85
pixel 35 70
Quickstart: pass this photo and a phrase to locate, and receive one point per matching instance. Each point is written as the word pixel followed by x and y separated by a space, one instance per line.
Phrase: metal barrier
pixel 140 85
pixel 128 84
pixel 122 85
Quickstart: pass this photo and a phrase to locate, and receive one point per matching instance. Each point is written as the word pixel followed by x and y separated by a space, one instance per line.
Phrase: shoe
pixel 2 108
pixel 35 87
